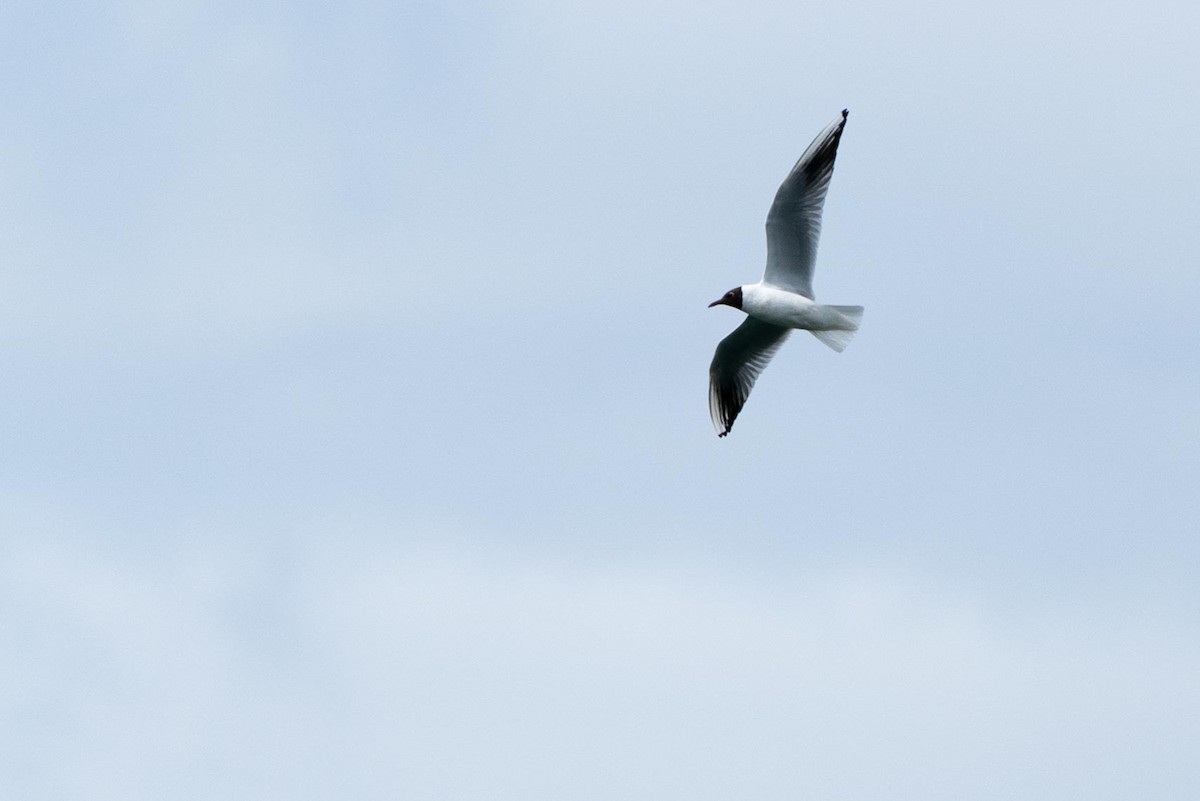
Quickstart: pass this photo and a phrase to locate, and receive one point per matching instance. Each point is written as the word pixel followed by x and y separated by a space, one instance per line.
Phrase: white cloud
pixel 368 665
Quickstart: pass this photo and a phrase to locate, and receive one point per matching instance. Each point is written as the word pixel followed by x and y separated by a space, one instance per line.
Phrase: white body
pixel 789 310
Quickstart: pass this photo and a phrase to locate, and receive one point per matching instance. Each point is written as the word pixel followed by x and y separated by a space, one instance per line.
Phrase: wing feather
pixel 794 222
pixel 736 365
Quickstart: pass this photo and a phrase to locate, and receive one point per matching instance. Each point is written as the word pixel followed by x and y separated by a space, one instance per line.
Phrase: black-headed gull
pixel 783 299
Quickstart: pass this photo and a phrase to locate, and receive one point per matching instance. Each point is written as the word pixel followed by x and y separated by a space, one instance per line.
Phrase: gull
pixel 783 300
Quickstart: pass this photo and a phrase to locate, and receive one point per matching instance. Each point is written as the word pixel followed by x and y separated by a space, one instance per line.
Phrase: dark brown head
pixel 731 298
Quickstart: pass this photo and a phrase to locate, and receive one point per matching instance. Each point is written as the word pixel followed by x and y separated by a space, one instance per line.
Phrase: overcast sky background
pixel 355 426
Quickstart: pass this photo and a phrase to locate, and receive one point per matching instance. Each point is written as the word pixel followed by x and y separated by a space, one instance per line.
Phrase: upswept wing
pixel 735 367
pixel 794 222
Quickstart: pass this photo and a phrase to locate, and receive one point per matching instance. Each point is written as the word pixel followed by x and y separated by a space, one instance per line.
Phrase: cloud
pixel 366 662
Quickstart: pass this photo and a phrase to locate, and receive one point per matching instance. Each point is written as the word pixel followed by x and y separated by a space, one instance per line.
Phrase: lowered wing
pixel 735 367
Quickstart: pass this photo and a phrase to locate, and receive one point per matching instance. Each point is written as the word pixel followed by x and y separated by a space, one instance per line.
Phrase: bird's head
pixel 731 298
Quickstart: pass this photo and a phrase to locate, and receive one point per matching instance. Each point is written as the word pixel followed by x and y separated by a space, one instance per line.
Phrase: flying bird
pixel 783 299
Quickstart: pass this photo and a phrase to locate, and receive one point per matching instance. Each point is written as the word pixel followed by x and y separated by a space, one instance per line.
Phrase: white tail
pixel 839 338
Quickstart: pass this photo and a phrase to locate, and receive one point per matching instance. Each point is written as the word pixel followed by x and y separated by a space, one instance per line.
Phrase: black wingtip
pixel 845 113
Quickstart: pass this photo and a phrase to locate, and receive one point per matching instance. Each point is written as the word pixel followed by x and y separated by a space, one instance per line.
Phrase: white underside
pixel 833 325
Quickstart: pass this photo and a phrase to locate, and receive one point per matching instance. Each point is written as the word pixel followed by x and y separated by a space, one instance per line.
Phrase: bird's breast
pixel 779 307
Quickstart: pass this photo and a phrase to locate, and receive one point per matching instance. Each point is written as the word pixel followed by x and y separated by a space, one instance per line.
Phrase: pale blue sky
pixel 357 439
